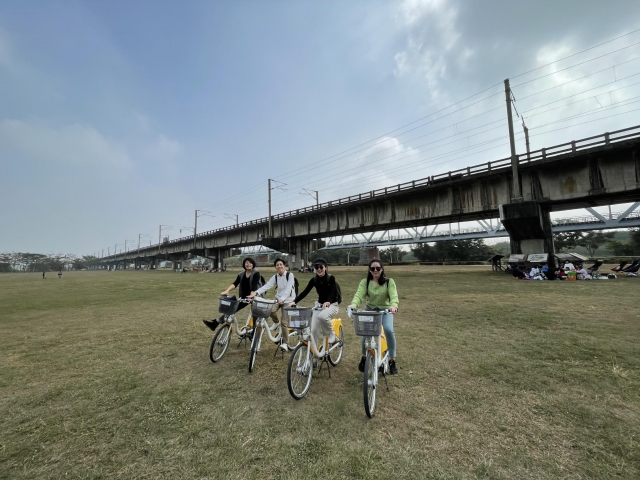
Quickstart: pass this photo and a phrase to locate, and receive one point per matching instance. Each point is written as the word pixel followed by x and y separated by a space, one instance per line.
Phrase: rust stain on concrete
pixel 569 185
pixel 412 211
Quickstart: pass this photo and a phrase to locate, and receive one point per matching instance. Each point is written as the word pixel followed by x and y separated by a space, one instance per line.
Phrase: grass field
pixel 107 375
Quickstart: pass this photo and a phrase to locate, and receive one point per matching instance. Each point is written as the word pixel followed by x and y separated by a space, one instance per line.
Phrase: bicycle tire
pixel 299 371
pixel 220 343
pixel 255 344
pixel 369 384
pixel 335 355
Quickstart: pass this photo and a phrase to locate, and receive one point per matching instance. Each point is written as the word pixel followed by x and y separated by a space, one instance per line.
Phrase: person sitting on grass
pixel 517 273
pixel 582 274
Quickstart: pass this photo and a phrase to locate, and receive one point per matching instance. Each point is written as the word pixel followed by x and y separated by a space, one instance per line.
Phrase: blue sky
pixel 116 117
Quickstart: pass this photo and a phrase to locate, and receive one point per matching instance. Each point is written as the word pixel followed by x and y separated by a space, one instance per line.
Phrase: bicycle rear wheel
pixel 220 343
pixel 299 371
pixel 369 384
pixel 255 345
pixel 335 353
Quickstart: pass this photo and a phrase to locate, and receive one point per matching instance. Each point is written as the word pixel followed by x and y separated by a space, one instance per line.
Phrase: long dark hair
pixel 382 280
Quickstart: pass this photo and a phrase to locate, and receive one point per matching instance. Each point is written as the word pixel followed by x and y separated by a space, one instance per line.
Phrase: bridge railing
pixel 543 154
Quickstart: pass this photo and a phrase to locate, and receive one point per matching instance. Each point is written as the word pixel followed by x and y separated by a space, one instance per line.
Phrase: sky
pixel 118 117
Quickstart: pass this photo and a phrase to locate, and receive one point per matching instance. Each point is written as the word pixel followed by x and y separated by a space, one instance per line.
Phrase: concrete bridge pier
pixel 529 227
pixel 296 258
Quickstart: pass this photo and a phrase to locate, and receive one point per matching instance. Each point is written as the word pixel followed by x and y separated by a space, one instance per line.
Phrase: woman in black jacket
pixel 248 281
pixel 325 286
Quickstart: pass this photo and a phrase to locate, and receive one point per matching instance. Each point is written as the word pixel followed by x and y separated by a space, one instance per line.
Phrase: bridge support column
pixel 296 258
pixel 529 227
pixel 367 254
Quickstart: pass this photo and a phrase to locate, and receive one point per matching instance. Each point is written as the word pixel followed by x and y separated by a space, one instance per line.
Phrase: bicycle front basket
pixel 367 323
pixel 262 308
pixel 297 318
pixel 227 305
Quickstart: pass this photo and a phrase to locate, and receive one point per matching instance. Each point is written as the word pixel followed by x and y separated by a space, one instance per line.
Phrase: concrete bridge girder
pixel 595 176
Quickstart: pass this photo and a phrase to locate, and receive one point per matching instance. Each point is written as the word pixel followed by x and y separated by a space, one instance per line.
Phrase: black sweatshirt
pixel 325 286
pixel 247 285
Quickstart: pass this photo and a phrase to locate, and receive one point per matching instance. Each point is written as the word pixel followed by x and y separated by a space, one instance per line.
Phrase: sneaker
pixel 361 364
pixel 332 337
pixel 392 367
pixel 284 347
pixel 211 325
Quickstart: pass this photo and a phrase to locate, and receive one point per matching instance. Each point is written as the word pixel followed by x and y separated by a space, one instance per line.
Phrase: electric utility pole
pixel 512 142
pixel 311 193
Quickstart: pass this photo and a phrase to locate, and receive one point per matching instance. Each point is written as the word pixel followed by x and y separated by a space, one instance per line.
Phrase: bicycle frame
pixel 376 362
pixel 300 368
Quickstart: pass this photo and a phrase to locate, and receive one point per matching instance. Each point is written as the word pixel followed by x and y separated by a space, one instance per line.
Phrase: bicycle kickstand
pixel 322 362
pixel 244 339
pixel 385 380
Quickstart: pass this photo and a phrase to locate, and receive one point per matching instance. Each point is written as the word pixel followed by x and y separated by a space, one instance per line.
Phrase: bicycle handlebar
pixel 357 310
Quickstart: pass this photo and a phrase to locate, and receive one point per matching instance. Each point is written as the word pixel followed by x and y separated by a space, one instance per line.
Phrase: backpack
pixel 338 290
pixel 295 283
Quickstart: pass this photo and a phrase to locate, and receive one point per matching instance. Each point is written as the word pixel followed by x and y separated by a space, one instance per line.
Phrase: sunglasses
pixel 318 267
pixel 375 269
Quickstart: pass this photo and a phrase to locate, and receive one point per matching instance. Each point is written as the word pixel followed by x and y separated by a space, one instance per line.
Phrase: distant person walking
pixel 44 275
pixel 59 273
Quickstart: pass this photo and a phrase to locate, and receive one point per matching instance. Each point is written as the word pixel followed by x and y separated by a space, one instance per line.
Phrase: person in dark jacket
pixel 248 281
pixel 325 286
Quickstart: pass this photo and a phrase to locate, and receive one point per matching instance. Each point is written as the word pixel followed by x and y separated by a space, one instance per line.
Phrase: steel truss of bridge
pixel 491 228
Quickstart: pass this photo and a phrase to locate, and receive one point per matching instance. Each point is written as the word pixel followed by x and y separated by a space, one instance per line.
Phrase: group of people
pixel 541 272
pixel 377 291
pixel 44 274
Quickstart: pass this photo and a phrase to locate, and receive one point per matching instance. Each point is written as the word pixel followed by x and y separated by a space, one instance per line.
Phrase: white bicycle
pixel 228 306
pixel 301 362
pixel 261 308
pixel 368 324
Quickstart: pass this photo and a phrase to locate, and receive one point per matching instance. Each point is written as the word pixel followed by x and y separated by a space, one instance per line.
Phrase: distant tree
pixel 423 252
pixel 566 241
pixel 502 248
pixel 629 248
pixel 455 250
pixel 392 254
pixel 341 255
pixel 594 240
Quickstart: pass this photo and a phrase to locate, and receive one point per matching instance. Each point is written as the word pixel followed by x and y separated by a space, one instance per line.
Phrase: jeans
pixel 387 326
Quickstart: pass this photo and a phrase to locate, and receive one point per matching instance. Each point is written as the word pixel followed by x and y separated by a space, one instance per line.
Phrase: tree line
pixel 478 250
pixel 39 262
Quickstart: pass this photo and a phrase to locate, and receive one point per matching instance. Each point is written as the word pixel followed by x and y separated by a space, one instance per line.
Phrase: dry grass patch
pixel 106 375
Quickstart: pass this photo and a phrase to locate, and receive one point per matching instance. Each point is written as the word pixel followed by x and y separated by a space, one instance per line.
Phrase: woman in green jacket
pixel 380 293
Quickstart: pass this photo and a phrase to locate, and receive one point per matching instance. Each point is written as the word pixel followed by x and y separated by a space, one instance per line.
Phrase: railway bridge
pixel 521 190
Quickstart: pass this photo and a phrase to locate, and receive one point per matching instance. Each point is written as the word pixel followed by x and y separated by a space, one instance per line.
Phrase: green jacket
pixel 378 296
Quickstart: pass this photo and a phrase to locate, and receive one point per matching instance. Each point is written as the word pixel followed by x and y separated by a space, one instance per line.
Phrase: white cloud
pixel 69 145
pixel 432 42
pixel 164 148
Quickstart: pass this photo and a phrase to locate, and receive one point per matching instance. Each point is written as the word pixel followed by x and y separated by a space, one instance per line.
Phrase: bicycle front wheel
pixel 335 352
pixel 299 371
pixel 255 345
pixel 369 385
pixel 220 343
